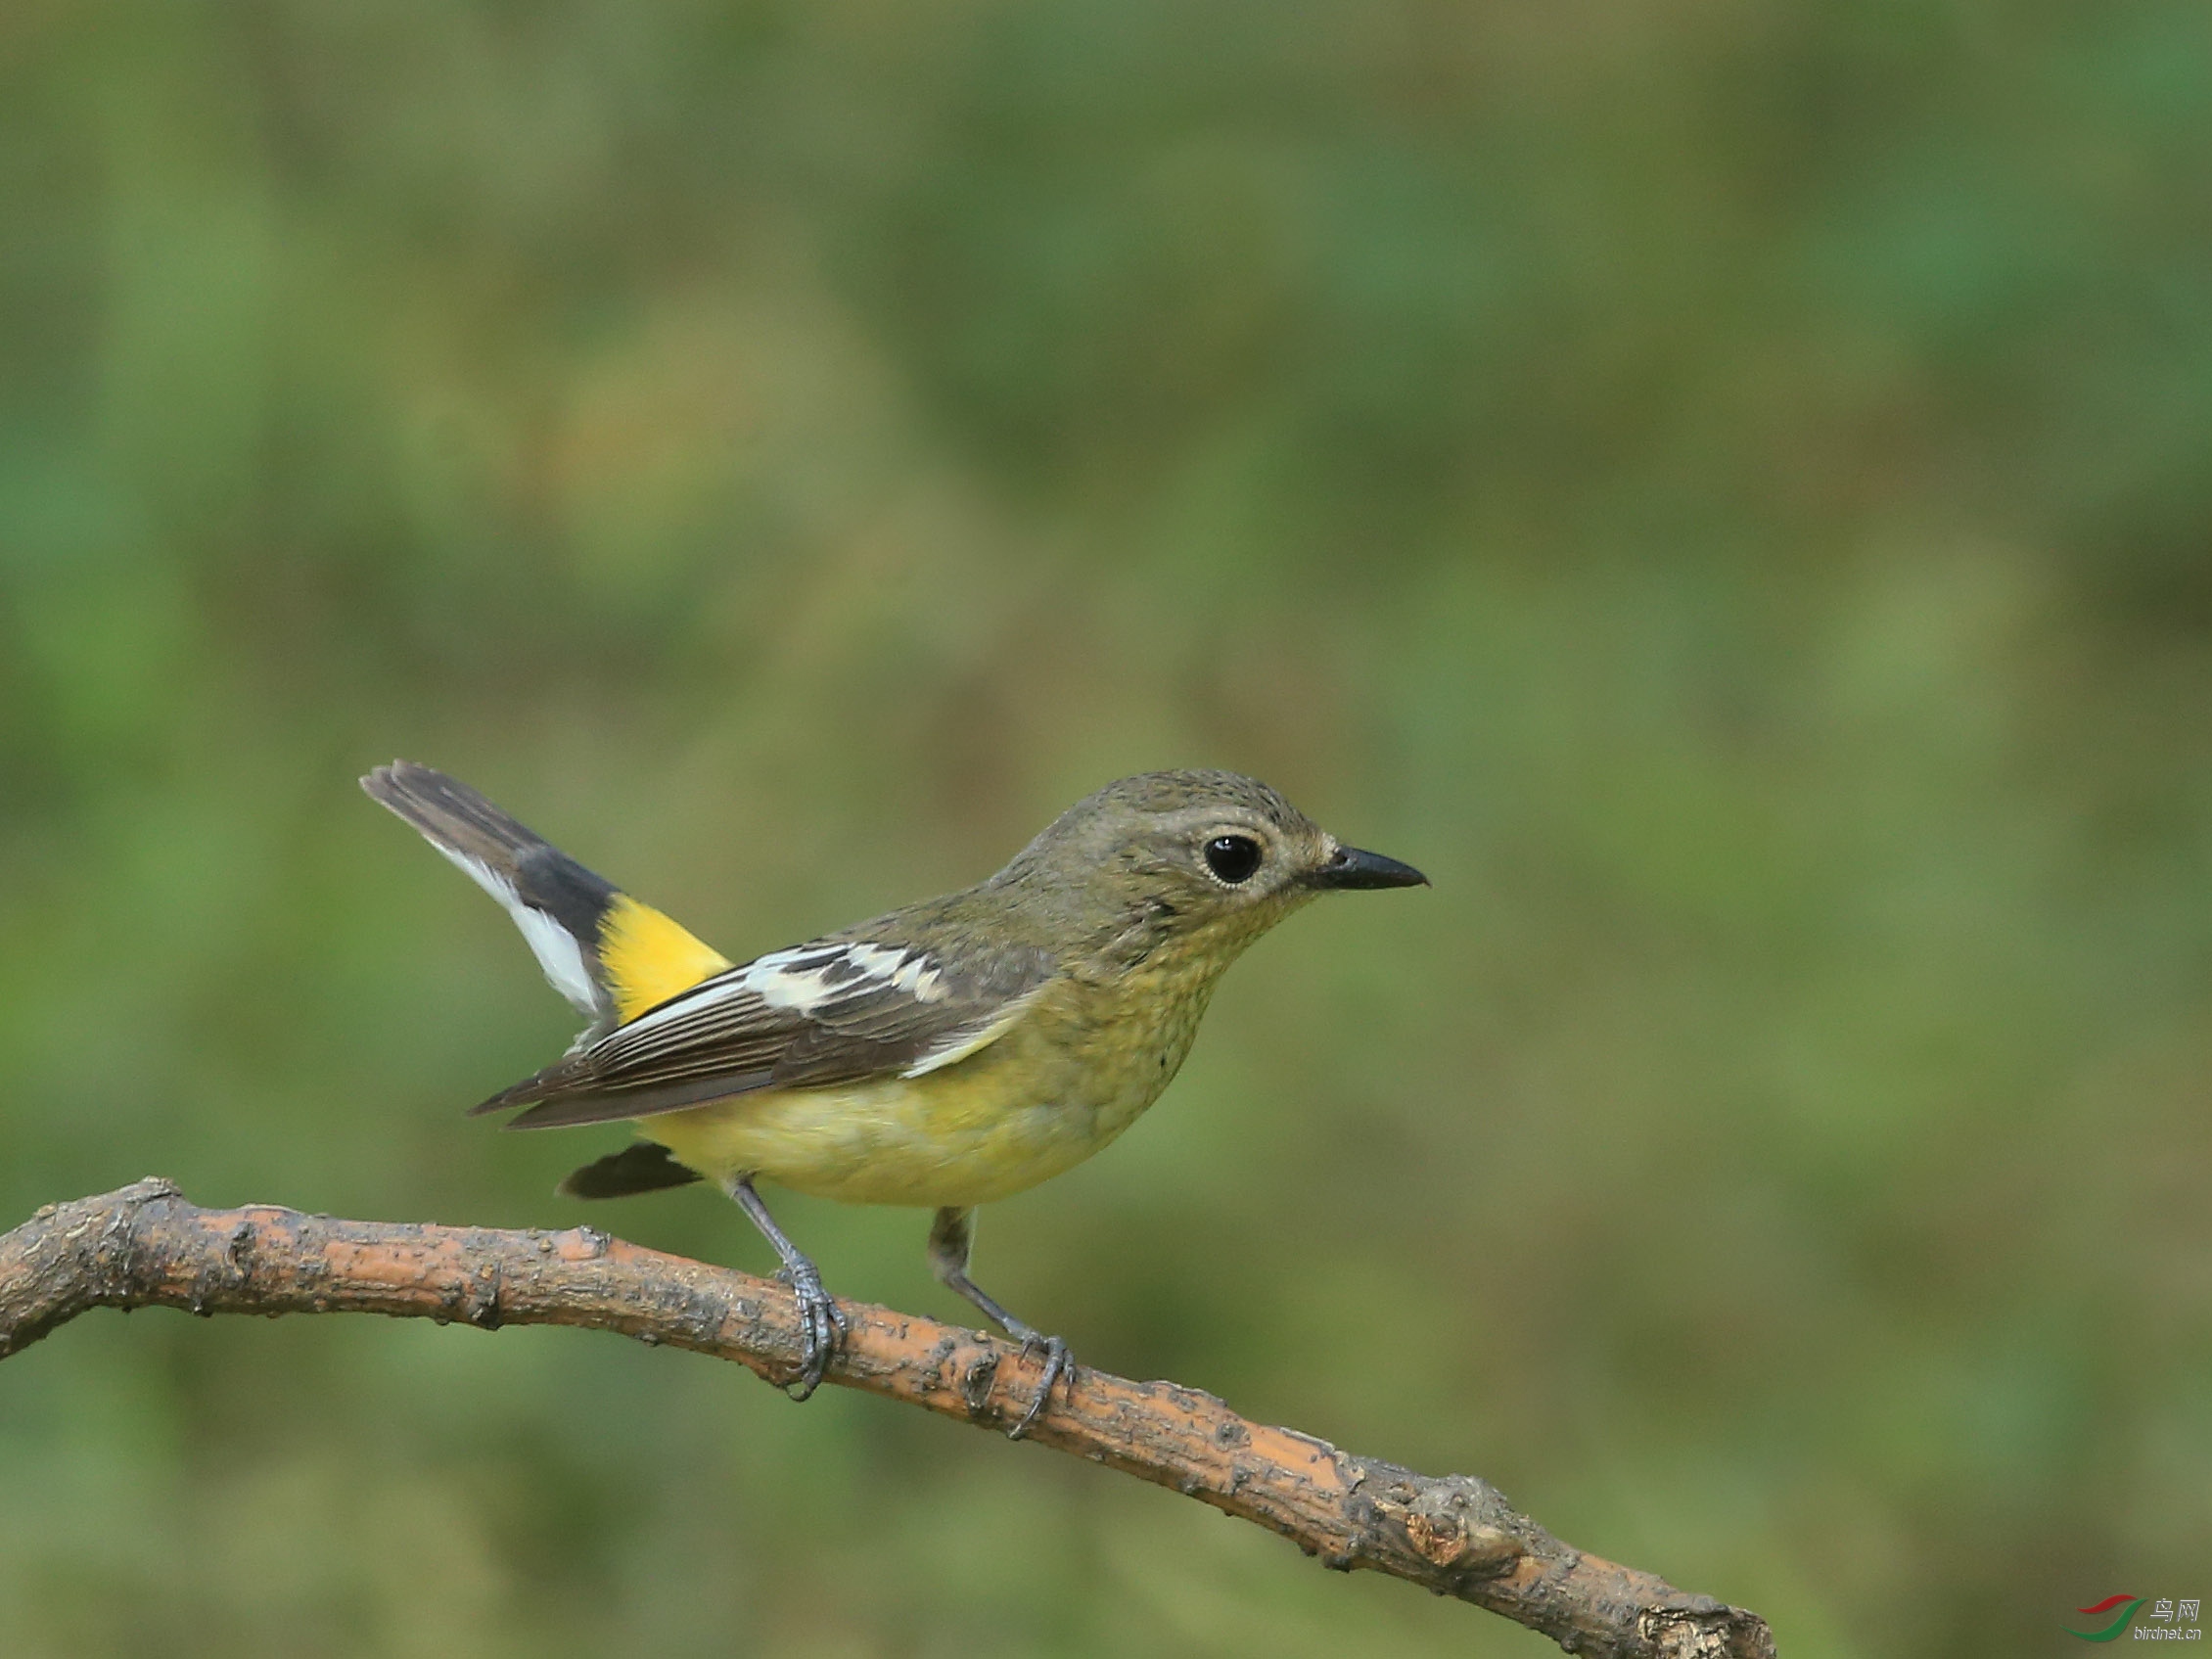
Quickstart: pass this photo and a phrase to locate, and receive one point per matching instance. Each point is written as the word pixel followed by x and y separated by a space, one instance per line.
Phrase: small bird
pixel 944 1054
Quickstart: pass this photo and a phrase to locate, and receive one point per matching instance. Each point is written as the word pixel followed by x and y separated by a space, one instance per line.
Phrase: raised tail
pixel 611 956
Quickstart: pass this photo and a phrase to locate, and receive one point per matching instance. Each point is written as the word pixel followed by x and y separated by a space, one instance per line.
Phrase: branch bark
pixel 145 1246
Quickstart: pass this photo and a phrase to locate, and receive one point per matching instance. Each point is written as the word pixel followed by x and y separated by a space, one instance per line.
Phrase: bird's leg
pixel 952 1235
pixel 822 1325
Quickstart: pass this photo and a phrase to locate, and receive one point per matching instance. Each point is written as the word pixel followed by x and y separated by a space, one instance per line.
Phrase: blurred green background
pixel 1727 488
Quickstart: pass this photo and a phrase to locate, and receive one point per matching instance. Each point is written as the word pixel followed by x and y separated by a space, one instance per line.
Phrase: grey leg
pixel 952 1235
pixel 821 1324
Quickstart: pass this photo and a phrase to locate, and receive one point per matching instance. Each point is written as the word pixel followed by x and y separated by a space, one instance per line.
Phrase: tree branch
pixel 145 1246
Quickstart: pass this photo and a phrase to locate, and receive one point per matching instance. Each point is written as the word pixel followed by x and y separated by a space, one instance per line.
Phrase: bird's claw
pixel 821 1327
pixel 1059 1365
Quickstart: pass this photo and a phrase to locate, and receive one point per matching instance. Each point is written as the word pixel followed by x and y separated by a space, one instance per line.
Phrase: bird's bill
pixel 1348 868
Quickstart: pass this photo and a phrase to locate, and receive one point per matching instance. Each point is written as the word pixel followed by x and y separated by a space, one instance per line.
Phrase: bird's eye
pixel 1232 857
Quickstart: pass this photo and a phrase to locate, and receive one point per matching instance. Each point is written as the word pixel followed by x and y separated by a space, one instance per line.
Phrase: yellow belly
pixel 1038 1101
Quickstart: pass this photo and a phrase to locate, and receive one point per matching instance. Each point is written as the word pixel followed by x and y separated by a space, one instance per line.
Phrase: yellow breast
pixel 1071 1076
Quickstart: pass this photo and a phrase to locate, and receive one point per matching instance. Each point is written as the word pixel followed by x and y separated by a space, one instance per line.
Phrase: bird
pixel 942 1056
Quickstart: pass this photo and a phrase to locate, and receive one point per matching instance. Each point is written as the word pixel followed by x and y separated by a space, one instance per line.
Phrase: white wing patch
pixel 807 976
pixel 802 979
pixel 555 948
pixel 789 979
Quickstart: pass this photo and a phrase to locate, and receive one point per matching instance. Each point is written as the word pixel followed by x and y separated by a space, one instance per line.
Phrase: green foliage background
pixel 1723 487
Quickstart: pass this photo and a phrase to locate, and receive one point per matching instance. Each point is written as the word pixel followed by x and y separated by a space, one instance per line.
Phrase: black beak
pixel 1349 867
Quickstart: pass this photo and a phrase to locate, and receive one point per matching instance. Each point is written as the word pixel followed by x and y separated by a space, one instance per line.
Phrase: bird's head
pixel 1211 858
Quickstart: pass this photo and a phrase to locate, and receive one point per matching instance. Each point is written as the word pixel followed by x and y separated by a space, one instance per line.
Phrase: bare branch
pixel 145 1246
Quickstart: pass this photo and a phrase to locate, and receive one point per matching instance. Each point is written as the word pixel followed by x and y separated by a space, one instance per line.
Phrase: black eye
pixel 1232 857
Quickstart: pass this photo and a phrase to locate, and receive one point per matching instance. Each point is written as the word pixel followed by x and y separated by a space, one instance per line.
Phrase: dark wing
pixel 816 1014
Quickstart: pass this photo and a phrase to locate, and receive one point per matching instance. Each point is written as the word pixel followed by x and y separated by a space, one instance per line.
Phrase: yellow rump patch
pixel 647 958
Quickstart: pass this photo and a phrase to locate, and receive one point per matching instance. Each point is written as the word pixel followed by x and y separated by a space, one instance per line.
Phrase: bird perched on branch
pixel 946 1054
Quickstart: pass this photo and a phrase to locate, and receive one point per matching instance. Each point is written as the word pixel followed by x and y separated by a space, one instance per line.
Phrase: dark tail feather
pixel 555 903
pixel 643 1166
pixel 450 812
pixel 456 818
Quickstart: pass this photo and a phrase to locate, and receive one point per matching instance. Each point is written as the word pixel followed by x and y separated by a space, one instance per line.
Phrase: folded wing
pixel 831 1012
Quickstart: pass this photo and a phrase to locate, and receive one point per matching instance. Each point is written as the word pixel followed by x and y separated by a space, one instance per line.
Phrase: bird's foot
pixel 821 1326
pixel 1059 1365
